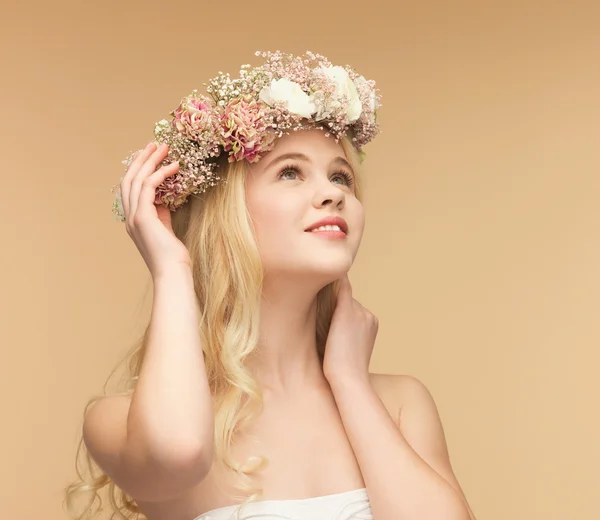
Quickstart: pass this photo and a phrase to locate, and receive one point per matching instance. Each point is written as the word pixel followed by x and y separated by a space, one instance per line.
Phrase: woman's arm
pixel 401 481
pixel 161 442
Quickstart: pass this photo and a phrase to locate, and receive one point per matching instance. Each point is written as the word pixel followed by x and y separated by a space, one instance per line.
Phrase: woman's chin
pixel 321 271
pixel 327 273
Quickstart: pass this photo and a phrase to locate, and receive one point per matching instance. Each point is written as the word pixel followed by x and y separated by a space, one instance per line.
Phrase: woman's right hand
pixel 147 224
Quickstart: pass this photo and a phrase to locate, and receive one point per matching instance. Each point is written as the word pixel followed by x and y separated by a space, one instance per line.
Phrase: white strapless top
pixel 349 505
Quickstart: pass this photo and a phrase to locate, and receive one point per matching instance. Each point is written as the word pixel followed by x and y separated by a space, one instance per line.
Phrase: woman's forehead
pixel 312 143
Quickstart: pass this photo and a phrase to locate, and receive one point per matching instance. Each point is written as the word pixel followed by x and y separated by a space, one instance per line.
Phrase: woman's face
pixel 286 196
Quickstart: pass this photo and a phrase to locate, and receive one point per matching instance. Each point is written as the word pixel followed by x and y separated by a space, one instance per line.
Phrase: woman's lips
pixel 329 233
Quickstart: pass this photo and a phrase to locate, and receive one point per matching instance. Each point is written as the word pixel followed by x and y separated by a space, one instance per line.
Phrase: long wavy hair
pixel 228 274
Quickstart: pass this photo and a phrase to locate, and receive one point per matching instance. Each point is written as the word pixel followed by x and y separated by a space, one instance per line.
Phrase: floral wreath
pixel 242 118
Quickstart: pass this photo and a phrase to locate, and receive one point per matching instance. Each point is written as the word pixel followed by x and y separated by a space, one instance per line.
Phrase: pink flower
pixel 246 130
pixel 194 116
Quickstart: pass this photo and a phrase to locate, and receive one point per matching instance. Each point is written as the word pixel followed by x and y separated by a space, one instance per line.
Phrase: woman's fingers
pixel 147 169
pixel 134 167
pixel 149 185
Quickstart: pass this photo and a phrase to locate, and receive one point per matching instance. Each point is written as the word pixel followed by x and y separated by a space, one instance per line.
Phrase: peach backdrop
pixel 481 252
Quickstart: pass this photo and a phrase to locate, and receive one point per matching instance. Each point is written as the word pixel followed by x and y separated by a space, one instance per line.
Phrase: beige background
pixel 481 254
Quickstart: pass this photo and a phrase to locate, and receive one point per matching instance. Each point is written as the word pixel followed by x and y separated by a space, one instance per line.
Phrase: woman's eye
pixel 287 171
pixel 347 178
pixel 294 170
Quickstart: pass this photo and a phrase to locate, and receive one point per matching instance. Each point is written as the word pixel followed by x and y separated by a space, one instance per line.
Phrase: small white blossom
pixel 296 100
pixel 362 84
pixel 345 86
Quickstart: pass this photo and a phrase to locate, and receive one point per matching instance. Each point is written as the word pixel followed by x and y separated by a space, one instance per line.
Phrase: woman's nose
pixel 328 194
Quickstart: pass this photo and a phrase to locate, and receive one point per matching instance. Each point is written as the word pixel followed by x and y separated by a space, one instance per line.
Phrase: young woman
pixel 253 373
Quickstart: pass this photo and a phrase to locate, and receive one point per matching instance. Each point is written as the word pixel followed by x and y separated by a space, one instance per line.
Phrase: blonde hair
pixel 228 276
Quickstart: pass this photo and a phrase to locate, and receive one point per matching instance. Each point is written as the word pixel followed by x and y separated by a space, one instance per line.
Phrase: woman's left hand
pixel 351 337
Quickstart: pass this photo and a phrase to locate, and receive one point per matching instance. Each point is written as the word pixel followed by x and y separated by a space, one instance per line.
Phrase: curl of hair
pixel 227 274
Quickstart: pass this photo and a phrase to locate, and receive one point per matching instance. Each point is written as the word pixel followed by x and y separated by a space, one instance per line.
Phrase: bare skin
pixel 300 431
pixel 307 447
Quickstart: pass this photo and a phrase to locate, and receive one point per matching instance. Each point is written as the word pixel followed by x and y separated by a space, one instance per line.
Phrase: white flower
pixel 296 100
pixel 345 86
pixel 362 85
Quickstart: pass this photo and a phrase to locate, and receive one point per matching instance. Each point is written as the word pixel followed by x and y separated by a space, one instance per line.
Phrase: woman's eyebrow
pixel 291 155
pixel 341 160
pixel 303 157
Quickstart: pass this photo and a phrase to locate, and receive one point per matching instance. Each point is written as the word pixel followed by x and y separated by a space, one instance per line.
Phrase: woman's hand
pixel 351 337
pixel 147 224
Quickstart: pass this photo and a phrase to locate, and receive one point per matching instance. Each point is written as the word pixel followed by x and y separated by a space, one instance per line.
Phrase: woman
pixel 251 270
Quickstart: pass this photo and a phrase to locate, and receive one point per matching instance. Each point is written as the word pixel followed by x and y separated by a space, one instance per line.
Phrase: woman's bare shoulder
pixel 390 382
pixel 391 388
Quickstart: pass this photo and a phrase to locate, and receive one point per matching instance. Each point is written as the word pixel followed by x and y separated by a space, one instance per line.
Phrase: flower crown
pixel 242 118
